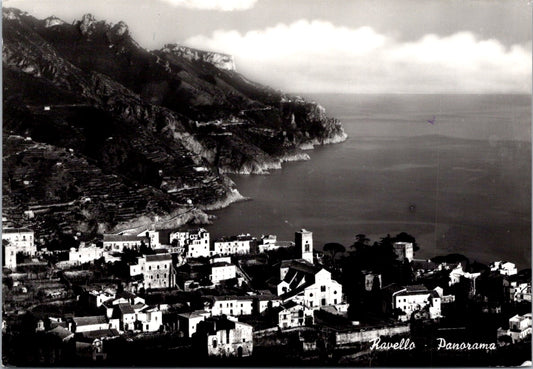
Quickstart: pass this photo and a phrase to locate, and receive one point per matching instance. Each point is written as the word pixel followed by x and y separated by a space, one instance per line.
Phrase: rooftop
pixel 16 230
pixel 126 309
pixel 221 264
pixel 89 320
pixel 241 237
pixel 231 297
pixel 123 238
pixel 158 257
pixel 194 314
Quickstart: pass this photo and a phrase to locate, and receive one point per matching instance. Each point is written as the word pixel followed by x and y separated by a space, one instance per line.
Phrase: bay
pixel 452 170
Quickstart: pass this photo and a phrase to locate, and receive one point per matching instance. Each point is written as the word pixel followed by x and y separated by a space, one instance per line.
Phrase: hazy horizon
pixel 319 46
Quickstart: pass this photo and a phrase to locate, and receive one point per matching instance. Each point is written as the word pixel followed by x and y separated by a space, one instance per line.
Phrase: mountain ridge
pixel 173 120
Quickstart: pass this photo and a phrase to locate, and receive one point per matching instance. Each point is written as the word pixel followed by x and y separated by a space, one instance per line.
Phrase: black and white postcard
pixel 266 183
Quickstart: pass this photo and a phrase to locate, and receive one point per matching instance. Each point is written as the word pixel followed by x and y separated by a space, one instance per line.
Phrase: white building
pixel 292 315
pixel 85 254
pixel 457 273
pixel 117 242
pixel 270 242
pixel 157 271
pixel 21 238
pixel 96 298
pixel 310 286
pixel 88 323
pixel 187 322
pixel 224 337
pixel 519 328
pixel 419 300
pixel 148 319
pixel 236 245
pixel 10 256
pixel 265 300
pixel 222 271
pixel 503 267
pixel 304 241
pixel 231 305
pixel 404 250
pixel 195 243
pixel 152 236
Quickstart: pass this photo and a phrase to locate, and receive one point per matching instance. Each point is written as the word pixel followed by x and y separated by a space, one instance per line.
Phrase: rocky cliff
pixel 219 60
pixel 164 125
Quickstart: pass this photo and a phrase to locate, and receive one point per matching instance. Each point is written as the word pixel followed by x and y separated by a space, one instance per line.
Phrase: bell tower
pixel 304 241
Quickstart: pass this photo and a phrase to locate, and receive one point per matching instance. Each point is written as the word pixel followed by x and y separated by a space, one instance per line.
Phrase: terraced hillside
pixel 89 114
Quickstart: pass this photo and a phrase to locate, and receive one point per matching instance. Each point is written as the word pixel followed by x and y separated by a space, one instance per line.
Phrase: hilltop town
pixel 179 297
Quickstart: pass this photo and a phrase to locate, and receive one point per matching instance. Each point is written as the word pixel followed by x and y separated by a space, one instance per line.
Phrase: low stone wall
pixel 362 335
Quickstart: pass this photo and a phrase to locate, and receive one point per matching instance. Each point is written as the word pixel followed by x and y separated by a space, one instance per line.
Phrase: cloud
pixel 221 5
pixel 318 56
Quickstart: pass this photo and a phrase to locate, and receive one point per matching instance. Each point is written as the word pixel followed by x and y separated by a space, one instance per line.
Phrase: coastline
pixel 197 215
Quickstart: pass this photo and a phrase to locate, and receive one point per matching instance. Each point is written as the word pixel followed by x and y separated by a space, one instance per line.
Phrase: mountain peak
pixel 12 13
pixel 53 21
pixel 87 24
pixel 219 60
pixel 120 29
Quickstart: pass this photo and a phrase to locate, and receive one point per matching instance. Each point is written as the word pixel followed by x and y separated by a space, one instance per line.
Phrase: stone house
pixel 417 299
pixel 219 336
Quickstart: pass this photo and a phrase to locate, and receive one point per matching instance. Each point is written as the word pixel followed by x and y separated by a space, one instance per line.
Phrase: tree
pixel 333 249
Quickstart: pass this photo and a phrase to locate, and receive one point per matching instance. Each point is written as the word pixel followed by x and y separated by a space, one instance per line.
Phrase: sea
pixel 454 171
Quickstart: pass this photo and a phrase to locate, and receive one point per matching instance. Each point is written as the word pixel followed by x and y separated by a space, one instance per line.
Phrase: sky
pixel 337 46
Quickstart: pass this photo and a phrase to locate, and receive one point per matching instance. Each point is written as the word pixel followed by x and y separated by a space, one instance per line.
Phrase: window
pixel 244 340
pixel 150 267
pixel 214 343
pixel 335 301
pixel 227 336
pixel 322 288
pixel 323 301
pixel 334 292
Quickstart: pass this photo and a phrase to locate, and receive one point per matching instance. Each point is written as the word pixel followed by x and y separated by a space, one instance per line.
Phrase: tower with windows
pixel 304 241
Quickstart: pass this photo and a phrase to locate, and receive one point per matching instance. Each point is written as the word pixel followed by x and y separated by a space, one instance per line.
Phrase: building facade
pixel 21 238
pixel 220 336
pixel 222 271
pixel 231 305
pixel 294 315
pixel 417 300
pixel 85 254
pixel 236 245
pixel 195 243
pixel 117 242
pixel 304 241
pixel 404 251
pixel 157 271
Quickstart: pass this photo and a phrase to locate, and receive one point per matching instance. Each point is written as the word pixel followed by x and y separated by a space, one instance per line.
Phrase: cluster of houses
pixel 189 260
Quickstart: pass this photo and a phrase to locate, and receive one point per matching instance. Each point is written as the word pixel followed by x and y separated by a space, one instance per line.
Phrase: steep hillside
pixel 170 122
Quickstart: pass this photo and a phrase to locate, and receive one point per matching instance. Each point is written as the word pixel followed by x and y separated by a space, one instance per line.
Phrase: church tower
pixel 304 240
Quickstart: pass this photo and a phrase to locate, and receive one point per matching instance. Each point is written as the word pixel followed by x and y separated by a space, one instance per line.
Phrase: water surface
pixel 460 183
